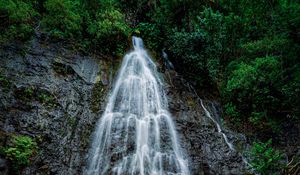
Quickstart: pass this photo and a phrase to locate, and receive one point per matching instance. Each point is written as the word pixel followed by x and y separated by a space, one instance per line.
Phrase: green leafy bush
pixel 20 151
pixel 185 48
pixel 254 88
pixel 151 35
pixel 200 49
pixel 17 19
pixel 231 110
pixel 265 159
pixel 108 22
pixel 109 30
pixel 266 46
pixel 62 18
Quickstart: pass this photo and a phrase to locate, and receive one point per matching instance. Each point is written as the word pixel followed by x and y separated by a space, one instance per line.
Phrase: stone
pixel 87 69
pixel 62 128
pixel 3 167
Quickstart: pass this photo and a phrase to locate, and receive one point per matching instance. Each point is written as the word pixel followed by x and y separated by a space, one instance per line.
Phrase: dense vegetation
pixel 248 51
pixel 19 151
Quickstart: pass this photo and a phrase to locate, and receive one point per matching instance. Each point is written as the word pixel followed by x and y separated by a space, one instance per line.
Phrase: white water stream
pixel 136 134
pixel 207 113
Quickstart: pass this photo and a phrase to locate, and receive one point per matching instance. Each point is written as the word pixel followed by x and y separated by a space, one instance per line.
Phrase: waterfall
pixel 207 113
pixel 136 134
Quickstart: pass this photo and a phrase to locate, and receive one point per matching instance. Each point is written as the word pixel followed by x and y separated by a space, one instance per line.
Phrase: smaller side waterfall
pixel 136 134
pixel 229 144
pixel 207 113
pixel 217 123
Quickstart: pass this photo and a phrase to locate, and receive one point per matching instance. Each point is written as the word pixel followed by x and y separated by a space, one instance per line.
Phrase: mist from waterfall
pixel 136 134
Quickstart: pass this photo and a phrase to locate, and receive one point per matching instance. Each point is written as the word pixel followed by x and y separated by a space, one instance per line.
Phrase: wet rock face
pixel 207 151
pixel 3 167
pixel 47 93
pixel 56 97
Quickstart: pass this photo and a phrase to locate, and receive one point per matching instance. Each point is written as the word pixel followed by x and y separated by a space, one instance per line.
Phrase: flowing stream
pixel 136 134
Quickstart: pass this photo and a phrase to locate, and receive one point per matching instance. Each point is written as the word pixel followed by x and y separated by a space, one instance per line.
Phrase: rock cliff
pixel 56 96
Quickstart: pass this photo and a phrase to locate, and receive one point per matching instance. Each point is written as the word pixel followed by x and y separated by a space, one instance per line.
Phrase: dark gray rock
pixel 3 167
pixel 86 68
pixel 62 124
pixel 204 145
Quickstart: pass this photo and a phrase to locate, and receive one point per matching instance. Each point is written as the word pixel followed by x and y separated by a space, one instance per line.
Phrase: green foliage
pixel 211 24
pixel 264 159
pixel 200 49
pixel 28 92
pixel 265 46
pixel 255 87
pixel 185 48
pixel 20 151
pixel 108 27
pixel 62 18
pixel 4 83
pixel 151 35
pixel 291 94
pixel 94 24
pixel 176 13
pixel 17 19
pixel 109 22
pixel 45 98
pixel 31 93
pixel 231 110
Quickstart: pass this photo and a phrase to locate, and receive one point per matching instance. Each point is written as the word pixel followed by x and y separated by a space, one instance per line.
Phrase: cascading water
pixel 136 134
pixel 207 113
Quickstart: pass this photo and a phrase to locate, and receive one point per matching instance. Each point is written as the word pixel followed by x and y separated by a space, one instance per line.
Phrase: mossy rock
pixel 5 84
pixel 98 92
pixel 29 94
pixel 62 69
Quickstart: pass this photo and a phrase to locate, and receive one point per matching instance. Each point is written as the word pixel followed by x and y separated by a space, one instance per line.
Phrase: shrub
pixel 255 90
pixel 62 18
pixel 150 34
pixel 266 46
pixel 20 151
pixel 108 27
pixel 200 49
pixel 230 110
pixel 17 19
pixel 265 159
pixel 185 48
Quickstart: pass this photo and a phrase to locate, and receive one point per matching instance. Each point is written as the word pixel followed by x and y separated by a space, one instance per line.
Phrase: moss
pixel 97 95
pixel 29 94
pixel 25 94
pixel 45 97
pixel 71 121
pixel 109 67
pixel 85 136
pixel 62 69
pixel 5 84
pixel 191 102
pixel 99 89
